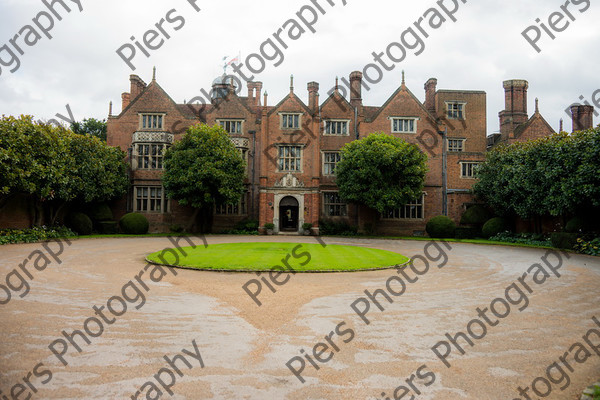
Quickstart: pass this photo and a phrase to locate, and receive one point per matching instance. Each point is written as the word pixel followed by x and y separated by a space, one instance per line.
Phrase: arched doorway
pixel 288 214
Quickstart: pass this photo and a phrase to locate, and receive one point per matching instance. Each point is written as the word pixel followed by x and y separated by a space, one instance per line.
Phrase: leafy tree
pixel 381 172
pixel 203 169
pixel 555 175
pixel 92 127
pixel 52 166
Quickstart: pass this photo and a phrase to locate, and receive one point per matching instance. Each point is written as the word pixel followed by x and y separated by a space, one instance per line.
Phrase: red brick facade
pixel 291 146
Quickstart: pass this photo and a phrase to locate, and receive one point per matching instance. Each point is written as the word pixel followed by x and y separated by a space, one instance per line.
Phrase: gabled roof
pixel 286 98
pixel 331 98
pixel 152 84
pixel 400 89
pixel 521 129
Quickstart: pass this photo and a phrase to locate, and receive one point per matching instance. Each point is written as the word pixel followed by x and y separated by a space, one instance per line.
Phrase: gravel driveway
pixel 468 322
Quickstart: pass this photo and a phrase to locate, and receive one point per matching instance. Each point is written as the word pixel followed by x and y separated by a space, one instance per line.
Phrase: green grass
pixel 264 256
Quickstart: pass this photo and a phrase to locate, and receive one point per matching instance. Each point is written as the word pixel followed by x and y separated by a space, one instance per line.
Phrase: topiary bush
pixel 575 224
pixel 563 240
pixel 100 212
pixel 134 224
pixel 475 215
pixel 493 227
pixel 80 223
pixel 465 232
pixel 440 227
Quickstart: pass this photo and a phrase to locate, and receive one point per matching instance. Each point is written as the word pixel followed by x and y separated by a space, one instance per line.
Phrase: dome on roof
pixel 222 85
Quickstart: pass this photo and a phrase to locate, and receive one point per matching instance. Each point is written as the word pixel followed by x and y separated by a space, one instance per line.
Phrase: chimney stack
pixel 125 98
pixel 313 96
pixel 430 89
pixel 356 88
pixel 258 86
pixel 583 117
pixel 515 108
pixel 251 86
pixel 137 86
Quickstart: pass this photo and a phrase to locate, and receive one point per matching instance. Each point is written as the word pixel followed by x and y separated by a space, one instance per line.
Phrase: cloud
pixel 80 66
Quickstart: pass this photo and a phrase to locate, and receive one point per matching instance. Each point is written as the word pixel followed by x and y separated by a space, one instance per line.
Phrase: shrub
pixel 246 226
pixel 591 248
pixel 475 215
pixel 534 239
pixel 176 228
pixel 493 227
pixel 269 225
pixel 440 227
pixel 574 225
pixel 563 240
pixel 35 234
pixel 341 228
pixel 464 232
pixel 108 227
pixel 80 223
pixel 134 224
pixel 306 226
pixel 100 212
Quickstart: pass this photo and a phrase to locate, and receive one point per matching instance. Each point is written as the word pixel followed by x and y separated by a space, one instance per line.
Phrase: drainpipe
pixel 444 134
pixel 253 133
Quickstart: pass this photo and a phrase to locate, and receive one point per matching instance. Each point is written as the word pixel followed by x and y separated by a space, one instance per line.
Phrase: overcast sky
pixel 484 47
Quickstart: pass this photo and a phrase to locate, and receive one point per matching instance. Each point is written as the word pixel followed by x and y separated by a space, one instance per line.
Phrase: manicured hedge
pixel 574 225
pixel 475 215
pixel 134 224
pixel 80 223
pixel 100 212
pixel 563 240
pixel 493 227
pixel 440 227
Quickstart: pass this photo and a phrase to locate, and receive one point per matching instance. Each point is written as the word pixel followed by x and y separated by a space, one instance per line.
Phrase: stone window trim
pixel 149 156
pixel 328 125
pixel 456 147
pixel 468 169
pixel 301 146
pixel 334 206
pixel 415 210
pixel 324 161
pixel 455 109
pixel 398 124
pixel 152 121
pixel 223 122
pixel 284 119
pixel 150 199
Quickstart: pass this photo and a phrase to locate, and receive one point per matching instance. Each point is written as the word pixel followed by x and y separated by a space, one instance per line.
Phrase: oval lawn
pixel 300 257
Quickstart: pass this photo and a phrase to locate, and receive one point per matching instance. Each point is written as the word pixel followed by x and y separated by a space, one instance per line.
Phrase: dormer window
pixel 151 121
pixel 404 125
pixel 232 126
pixel 290 121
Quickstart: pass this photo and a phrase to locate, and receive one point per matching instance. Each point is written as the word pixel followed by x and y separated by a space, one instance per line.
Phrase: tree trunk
pixel 38 212
pixel 54 213
pixel 192 222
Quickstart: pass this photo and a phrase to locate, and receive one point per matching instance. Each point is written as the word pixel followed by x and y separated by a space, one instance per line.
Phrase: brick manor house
pixel 291 149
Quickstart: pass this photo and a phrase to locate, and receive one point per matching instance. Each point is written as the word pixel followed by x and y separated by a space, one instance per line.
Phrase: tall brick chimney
pixel 356 88
pixel 251 86
pixel 583 117
pixel 258 86
pixel 137 86
pixel 313 96
pixel 125 98
pixel 515 109
pixel 430 88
